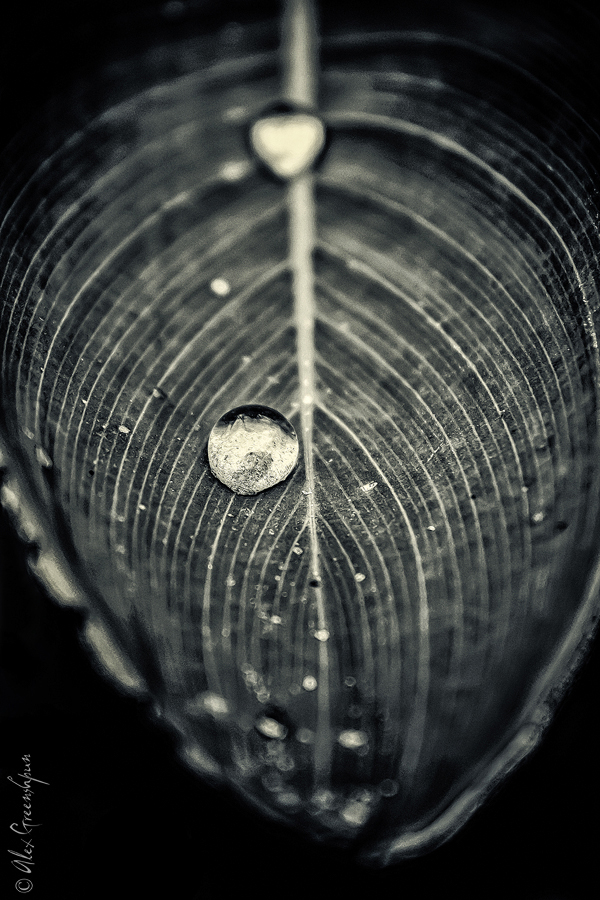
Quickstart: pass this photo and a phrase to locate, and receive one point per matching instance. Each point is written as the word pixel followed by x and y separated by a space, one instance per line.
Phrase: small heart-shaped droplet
pixel 288 143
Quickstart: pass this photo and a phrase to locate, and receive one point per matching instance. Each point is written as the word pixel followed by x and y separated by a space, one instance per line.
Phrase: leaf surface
pixel 367 646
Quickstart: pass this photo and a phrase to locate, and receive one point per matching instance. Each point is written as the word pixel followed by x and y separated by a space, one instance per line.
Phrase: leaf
pixel 364 649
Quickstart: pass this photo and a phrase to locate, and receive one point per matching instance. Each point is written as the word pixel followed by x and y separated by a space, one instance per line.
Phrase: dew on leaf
pixel 271 728
pixel 288 140
pixel 323 799
pixel 252 448
pixel 159 394
pixel 352 739
pixel 388 787
pixel 356 812
pixel 220 287
pixel 272 781
pixel 305 736
pixel 208 702
pixel 322 634
pixel 367 488
pixel 43 458
pixel 235 170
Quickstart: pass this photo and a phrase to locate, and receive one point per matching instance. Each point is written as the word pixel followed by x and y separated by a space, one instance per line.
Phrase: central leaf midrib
pixel 300 74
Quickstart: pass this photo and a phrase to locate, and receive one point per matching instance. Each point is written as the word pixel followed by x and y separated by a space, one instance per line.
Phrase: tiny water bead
pixel 271 728
pixel 353 739
pixel 252 448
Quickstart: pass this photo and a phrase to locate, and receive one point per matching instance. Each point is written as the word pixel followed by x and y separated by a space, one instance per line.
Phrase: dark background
pixel 121 817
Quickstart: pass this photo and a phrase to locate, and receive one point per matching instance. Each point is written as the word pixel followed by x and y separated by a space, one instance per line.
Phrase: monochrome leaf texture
pixel 364 649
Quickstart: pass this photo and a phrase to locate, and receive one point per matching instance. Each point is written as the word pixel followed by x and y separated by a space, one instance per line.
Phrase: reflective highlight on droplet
pixel 252 448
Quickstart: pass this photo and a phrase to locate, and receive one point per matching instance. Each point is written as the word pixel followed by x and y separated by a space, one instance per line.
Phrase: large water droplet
pixel 288 140
pixel 252 448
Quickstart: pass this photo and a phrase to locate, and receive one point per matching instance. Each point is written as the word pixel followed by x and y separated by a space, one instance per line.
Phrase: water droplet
pixel 350 681
pixel 288 140
pixel 366 487
pixel 286 763
pixel 324 799
pixel 43 458
pixel 305 736
pixel 359 576
pixel 297 550
pixel 235 170
pixel 431 528
pixel 322 634
pixel 235 114
pixel 271 728
pixel 230 581
pixel 388 787
pixel 210 703
pixel 356 812
pixel 252 448
pixel 353 740
pixel 309 683
pixel 220 287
